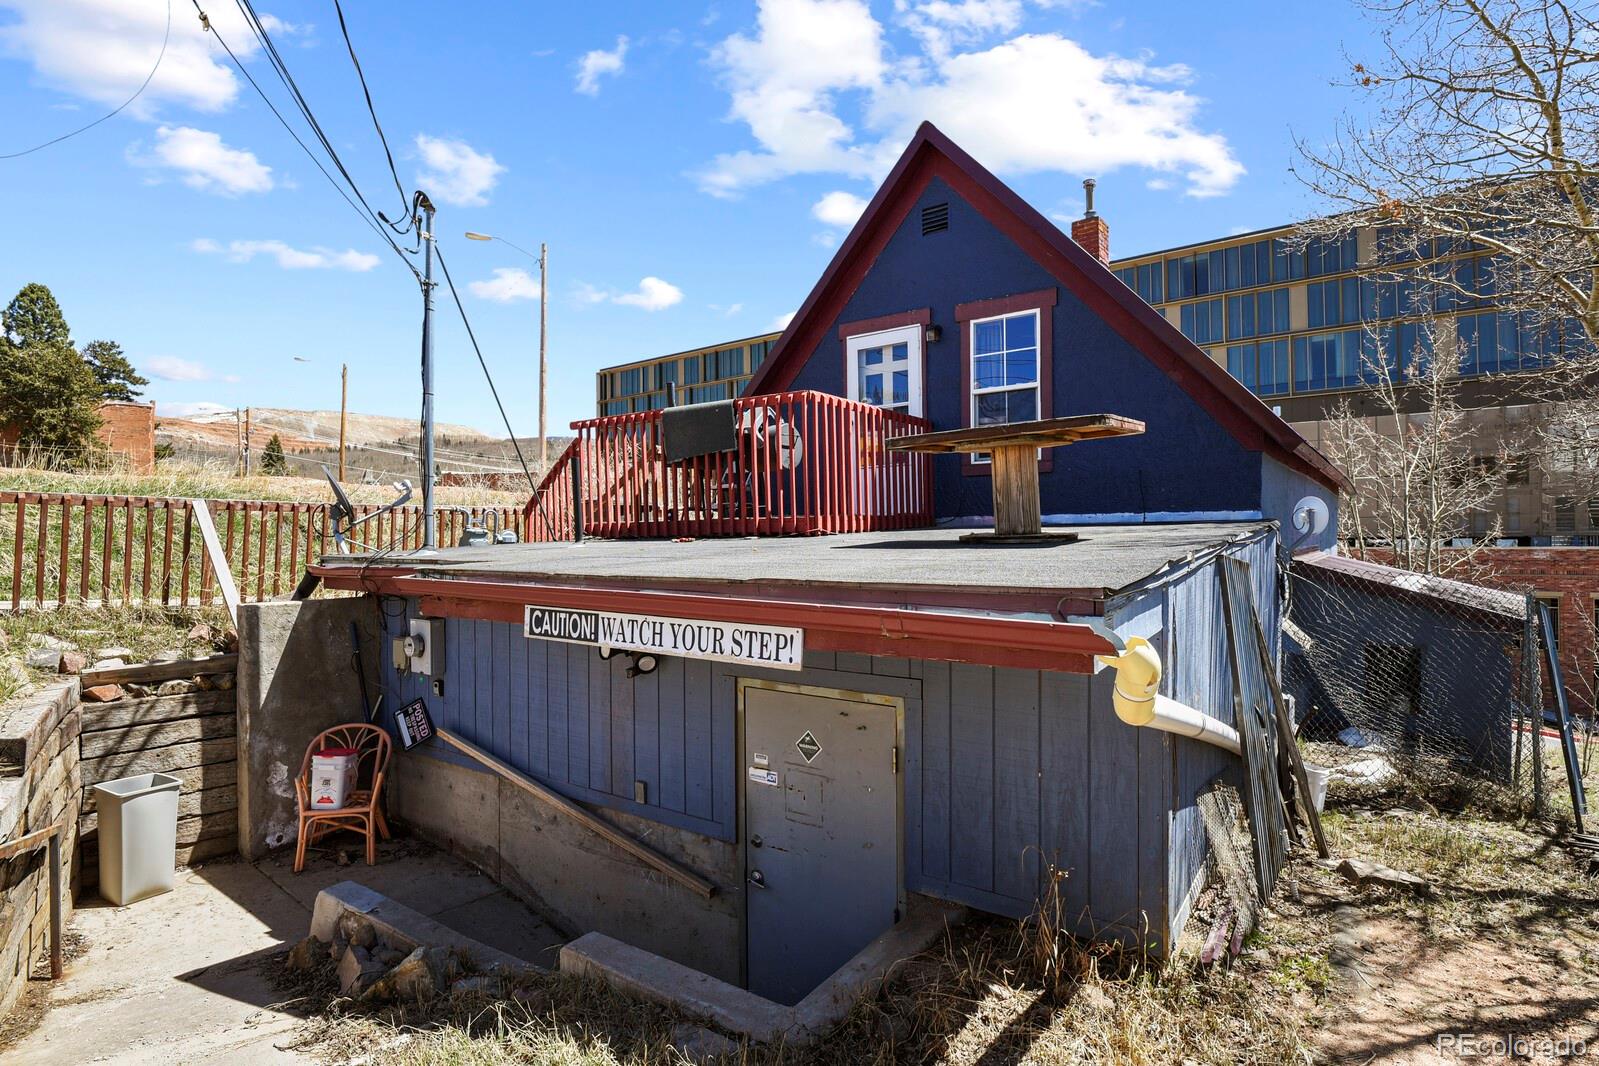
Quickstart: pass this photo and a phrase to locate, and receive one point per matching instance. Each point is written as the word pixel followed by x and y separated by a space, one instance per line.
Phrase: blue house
pixel 954 300
pixel 827 732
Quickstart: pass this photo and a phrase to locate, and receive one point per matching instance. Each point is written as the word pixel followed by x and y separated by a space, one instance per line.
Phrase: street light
pixel 543 260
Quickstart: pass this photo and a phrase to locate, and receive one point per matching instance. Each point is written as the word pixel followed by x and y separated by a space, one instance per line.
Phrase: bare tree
pixel 1417 478
pixel 1483 131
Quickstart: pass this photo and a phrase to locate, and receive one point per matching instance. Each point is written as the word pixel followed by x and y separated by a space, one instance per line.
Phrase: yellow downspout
pixel 1137 702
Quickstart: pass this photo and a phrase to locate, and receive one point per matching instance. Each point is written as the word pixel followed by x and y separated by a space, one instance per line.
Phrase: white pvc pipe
pixel 1138 704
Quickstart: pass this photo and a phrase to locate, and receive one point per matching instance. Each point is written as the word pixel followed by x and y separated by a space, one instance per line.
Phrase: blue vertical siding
pixel 1199 673
pixel 566 717
pixel 1006 772
pixel 1184 462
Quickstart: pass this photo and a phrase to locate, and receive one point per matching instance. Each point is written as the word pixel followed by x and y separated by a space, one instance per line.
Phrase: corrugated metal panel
pixel 1197 672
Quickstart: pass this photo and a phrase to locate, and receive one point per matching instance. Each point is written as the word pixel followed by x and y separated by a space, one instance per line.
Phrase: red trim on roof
pixel 919 317
pixel 872 630
pixel 931 154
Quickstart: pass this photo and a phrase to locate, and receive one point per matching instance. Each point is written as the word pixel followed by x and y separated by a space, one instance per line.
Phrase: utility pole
pixel 246 442
pixel 344 399
pixel 429 533
pixel 544 363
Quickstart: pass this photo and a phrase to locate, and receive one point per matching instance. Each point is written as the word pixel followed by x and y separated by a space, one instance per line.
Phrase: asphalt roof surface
pixel 1102 558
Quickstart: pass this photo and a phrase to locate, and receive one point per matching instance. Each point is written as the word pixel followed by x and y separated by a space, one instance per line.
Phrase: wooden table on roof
pixel 1013 453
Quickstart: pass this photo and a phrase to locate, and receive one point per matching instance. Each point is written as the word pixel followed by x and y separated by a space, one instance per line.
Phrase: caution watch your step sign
pixel 776 647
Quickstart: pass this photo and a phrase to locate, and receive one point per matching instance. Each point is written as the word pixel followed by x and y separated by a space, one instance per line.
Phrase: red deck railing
pixel 804 463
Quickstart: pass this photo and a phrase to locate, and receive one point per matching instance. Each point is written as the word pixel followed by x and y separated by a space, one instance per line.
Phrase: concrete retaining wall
pixel 40 784
pixel 579 881
pixel 295 680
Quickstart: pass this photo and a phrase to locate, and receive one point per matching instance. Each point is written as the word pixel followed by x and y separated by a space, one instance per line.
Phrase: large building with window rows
pixel 1306 324
pixel 1294 321
pixel 717 372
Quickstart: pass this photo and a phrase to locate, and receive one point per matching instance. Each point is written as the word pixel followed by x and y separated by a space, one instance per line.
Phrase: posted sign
pixel 778 647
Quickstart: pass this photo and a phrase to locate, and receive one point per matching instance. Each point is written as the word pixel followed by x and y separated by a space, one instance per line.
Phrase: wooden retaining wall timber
pixel 190 735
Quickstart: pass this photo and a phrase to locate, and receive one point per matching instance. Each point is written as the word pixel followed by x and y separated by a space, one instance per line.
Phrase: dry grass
pixel 981 997
pixel 146 630
pixel 998 991
pixel 215 481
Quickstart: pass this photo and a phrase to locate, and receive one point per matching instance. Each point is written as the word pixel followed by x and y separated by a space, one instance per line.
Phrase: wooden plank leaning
pixel 219 561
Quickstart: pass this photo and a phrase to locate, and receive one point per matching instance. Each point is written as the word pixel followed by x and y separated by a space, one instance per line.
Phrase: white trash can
pixel 138 836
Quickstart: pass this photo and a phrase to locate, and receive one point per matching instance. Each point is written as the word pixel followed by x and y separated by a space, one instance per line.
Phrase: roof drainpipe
pixel 1138 704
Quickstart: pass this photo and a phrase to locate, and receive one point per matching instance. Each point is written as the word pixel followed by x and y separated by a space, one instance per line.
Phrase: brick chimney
pixel 1091 231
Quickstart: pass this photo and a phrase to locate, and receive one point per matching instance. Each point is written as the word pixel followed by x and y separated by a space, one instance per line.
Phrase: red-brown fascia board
pixel 871 630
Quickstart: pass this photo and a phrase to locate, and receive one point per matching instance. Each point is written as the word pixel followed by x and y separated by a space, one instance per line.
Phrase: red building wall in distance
pixel 128 430
pixel 1568 578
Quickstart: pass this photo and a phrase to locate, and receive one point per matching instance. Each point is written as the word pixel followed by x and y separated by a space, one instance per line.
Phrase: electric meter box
pixel 424 646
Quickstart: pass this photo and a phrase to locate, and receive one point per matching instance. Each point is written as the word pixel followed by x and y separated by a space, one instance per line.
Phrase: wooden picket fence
pixel 61 549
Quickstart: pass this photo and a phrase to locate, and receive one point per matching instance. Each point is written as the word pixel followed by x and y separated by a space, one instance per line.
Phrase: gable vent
pixel 935 218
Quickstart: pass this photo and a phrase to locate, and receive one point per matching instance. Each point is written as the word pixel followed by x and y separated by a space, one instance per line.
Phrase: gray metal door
pixel 821 832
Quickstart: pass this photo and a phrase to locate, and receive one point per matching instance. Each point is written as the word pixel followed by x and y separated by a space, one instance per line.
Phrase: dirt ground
pixel 1505 957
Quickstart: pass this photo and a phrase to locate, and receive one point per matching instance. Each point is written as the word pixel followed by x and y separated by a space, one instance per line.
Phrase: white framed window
pixel 885 369
pixel 1005 370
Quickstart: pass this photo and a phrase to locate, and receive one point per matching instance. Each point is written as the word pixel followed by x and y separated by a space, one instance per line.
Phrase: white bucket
pixel 332 777
pixel 1317 777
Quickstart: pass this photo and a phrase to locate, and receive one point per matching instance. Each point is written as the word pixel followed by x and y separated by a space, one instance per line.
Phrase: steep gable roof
pixel 931 154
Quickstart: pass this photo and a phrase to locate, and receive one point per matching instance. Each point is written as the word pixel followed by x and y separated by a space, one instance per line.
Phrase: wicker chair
pixel 362 811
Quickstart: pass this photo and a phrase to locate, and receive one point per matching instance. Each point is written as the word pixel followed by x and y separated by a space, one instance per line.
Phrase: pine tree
pixel 118 380
pixel 48 392
pixel 273 464
pixel 34 317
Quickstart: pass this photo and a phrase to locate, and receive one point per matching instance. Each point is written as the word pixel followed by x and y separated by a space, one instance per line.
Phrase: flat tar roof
pixel 1102 560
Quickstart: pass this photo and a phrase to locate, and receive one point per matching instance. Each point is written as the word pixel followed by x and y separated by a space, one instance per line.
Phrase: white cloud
pixel 508 284
pixel 726 310
pixel 781 321
pixel 652 294
pixel 279 28
pixel 171 368
pixel 190 410
pixel 783 81
pixel 102 50
pixel 599 63
pixel 287 257
pixel 455 172
pixel 204 162
pixel 839 209
pixel 942 24
pixel 819 92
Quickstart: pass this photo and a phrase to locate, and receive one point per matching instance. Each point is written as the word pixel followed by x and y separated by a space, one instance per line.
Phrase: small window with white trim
pixel 1004 370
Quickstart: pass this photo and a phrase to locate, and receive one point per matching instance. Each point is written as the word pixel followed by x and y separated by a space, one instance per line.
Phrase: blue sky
pixel 692 166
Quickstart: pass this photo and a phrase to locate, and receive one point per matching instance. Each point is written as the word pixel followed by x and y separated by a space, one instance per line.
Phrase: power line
pixel 484 364
pixel 279 67
pixel 136 94
pixel 371 110
pixel 366 217
pixel 535 498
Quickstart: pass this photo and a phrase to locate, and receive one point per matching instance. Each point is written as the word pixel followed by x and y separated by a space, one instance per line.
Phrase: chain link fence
pixel 1418 685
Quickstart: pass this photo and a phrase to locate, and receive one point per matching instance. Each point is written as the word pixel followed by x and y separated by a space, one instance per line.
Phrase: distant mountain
pixel 323 426
pixel 377 447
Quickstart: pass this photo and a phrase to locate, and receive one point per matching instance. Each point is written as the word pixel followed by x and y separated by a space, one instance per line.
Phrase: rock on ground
pixel 102 693
pixel 1364 873
pixel 307 954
